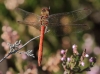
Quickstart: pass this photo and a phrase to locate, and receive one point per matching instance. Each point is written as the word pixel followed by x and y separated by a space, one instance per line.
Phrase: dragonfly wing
pixel 69 17
pixel 64 23
pixel 25 13
pixel 67 29
pixel 33 24
pixel 29 18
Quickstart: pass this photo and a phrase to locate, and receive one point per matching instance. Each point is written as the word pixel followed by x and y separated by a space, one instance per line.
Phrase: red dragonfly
pixel 60 20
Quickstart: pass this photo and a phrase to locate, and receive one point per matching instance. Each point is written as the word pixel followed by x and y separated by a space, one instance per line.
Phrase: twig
pixel 5 57
pixel 28 53
pixel 15 46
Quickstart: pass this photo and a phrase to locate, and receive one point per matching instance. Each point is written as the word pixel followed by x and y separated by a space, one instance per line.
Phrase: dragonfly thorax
pixel 44 16
pixel 44 20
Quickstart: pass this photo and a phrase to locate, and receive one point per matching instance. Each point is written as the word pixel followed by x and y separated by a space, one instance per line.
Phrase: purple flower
pixel 62 51
pixel 82 63
pixel 92 59
pixel 63 58
pixel 86 55
pixel 74 46
pixel 68 59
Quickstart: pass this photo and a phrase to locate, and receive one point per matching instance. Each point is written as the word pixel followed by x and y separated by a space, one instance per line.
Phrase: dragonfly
pixel 55 21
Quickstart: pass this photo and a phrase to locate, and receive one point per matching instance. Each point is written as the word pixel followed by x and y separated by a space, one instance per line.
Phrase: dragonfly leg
pixel 46 29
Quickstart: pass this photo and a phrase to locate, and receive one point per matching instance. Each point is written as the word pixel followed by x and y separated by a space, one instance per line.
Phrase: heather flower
pixel 8 72
pixel 51 64
pixel 74 63
pixel 1 72
pixel 92 59
pixel 75 49
pixel 82 63
pixel 74 46
pixel 31 69
pixel 86 55
pixel 62 51
pixel 63 58
pixel 68 59
pixel 24 56
pixel 10 36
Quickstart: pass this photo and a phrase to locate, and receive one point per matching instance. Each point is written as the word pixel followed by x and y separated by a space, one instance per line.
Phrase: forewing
pixel 64 23
pixel 69 17
pixel 29 18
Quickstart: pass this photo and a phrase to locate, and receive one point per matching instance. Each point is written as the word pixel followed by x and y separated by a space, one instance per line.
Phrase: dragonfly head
pixel 45 11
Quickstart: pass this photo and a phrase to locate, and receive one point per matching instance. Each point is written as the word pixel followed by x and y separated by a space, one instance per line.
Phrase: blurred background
pixel 11 31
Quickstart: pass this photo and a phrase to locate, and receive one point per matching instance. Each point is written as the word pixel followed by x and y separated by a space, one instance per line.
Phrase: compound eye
pixel 43 10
